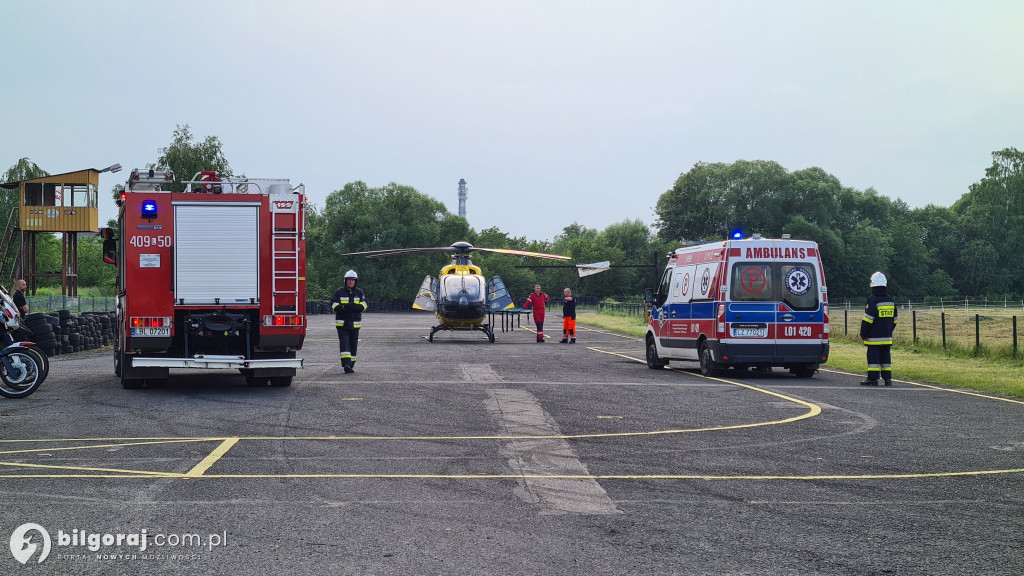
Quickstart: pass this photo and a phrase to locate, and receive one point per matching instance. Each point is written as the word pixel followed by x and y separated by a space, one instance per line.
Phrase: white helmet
pixel 877 279
pixel 352 274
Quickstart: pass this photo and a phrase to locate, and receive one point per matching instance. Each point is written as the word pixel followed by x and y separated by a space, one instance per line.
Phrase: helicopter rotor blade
pixel 398 251
pixel 524 253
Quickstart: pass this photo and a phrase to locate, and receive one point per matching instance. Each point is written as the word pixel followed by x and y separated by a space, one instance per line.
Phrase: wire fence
pixel 972 326
pixel 76 304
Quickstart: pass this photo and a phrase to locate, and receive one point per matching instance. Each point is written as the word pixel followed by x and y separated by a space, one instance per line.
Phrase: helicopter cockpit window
pixel 469 286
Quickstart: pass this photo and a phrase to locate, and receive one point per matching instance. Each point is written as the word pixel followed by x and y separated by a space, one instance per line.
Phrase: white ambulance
pixel 753 303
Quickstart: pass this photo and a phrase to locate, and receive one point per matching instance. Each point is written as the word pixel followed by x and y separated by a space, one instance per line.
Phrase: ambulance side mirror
pixel 110 251
pixel 648 297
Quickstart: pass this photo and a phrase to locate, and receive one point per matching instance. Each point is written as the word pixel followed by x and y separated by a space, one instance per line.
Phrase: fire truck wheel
pixel 281 381
pixel 653 361
pixel 132 383
pixel 708 366
pixel 251 380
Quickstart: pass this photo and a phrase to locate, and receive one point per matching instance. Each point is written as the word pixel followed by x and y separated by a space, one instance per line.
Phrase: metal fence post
pixel 977 332
pixel 1015 336
pixel 943 315
pixel 913 316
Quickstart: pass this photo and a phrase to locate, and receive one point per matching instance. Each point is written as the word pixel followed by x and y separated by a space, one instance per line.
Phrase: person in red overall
pixel 538 301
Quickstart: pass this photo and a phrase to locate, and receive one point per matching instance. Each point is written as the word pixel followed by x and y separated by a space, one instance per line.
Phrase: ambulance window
pixel 751 281
pixel 666 285
pixel 799 288
pixel 677 283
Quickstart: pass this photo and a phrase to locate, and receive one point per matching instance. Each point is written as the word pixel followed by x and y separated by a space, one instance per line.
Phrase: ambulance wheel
pixel 653 361
pixel 281 381
pixel 803 371
pixel 708 366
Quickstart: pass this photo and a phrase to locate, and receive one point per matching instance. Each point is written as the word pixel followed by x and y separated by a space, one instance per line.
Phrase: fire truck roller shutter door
pixel 217 252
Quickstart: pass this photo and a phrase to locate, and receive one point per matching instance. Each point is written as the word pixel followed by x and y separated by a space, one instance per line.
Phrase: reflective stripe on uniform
pixel 869 319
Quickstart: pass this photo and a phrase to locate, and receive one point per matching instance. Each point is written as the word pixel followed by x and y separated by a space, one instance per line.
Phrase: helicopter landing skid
pixel 485 328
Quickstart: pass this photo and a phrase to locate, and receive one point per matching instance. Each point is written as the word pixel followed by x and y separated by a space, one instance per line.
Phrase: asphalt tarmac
pixel 460 456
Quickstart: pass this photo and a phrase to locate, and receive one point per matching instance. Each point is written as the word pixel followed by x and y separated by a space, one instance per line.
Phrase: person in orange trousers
pixel 568 317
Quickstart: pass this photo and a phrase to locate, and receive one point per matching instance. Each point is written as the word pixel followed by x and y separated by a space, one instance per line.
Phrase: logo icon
pixel 22 546
pixel 798 281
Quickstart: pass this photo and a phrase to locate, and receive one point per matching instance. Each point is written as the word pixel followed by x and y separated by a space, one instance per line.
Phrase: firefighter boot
pixel 563 341
pixel 572 341
pixel 869 383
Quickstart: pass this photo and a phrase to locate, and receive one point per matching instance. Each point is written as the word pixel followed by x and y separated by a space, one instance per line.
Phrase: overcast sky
pixel 553 111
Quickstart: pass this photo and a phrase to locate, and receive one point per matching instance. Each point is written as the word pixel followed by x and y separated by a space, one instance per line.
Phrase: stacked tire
pixel 62 332
pixel 42 332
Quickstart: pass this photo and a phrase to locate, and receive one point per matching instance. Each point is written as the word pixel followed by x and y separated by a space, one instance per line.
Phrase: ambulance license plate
pixel 749 331
pixel 152 331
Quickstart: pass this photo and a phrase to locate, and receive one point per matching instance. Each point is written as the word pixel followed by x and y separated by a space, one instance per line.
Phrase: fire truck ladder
pixel 285 267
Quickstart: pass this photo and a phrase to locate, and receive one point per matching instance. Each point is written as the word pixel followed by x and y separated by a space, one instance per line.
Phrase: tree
pixel 21 170
pixel 186 157
pixel 359 218
pixel 992 212
pixel 92 270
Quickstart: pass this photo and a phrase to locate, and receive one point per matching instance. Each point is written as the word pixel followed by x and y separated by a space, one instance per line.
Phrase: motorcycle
pixel 23 365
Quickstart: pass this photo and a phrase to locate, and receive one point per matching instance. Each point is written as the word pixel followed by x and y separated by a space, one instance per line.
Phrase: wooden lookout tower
pixel 65 204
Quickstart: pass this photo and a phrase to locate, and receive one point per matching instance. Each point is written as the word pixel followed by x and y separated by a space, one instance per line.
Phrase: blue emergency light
pixel 149 209
pixel 736 234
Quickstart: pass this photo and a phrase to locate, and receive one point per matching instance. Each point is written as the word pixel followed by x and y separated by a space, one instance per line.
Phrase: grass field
pixel 953 367
pixel 964 329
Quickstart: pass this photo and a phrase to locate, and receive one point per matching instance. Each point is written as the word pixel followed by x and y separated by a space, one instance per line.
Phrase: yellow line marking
pixel 814 408
pixel 227 443
pixel 117 445
pixel 933 387
pixel 211 458
pixel 130 473
pixel 703 477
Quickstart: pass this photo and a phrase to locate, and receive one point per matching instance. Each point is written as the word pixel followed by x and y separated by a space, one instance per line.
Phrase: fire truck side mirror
pixel 110 251
pixel 106 233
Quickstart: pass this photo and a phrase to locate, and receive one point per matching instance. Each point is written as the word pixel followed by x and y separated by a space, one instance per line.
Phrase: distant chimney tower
pixel 463 192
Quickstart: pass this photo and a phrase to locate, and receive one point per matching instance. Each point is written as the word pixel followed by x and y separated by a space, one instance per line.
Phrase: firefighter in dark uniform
pixel 876 329
pixel 348 304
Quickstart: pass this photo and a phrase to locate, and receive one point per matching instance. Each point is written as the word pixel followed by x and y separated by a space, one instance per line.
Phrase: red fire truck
pixel 212 277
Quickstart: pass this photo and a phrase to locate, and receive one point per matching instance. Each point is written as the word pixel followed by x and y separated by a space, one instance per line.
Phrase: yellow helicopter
pixel 460 297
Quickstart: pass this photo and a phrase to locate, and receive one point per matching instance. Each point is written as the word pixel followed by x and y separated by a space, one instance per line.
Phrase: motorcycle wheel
pixel 24 378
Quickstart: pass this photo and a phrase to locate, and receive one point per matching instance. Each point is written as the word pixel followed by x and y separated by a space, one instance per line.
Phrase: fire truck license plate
pixel 750 332
pixel 162 331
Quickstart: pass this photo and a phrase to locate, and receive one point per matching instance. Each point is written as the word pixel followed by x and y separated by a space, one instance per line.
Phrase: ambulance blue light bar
pixel 736 234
